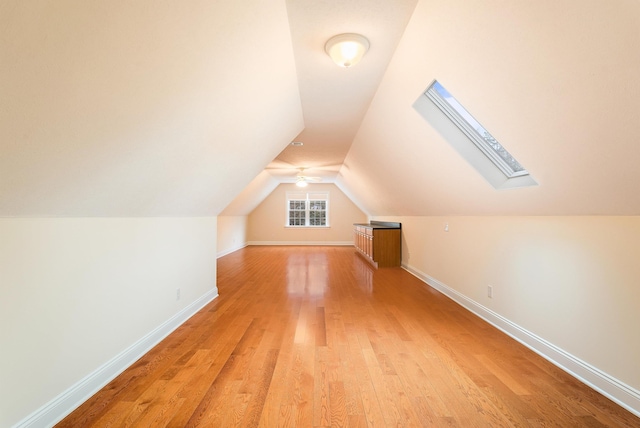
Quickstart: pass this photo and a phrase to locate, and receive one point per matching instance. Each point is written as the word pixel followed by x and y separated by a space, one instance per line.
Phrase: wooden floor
pixel 314 337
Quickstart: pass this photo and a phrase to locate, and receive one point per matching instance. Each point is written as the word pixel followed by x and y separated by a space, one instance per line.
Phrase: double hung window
pixel 309 209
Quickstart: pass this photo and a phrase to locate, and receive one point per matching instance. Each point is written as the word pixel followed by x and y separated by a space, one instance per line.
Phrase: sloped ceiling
pixel 555 82
pixel 141 108
pixel 251 196
pixel 335 99
pixel 174 109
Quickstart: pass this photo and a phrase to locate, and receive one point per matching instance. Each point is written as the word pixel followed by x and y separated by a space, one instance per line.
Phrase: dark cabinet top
pixel 380 225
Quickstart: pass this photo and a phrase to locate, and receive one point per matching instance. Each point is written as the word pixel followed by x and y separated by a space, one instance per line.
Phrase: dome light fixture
pixel 347 49
pixel 301 182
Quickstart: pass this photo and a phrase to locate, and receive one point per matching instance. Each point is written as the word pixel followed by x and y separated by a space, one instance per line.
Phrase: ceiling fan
pixel 304 180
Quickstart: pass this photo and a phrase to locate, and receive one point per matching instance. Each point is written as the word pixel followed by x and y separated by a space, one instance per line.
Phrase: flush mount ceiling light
pixel 347 49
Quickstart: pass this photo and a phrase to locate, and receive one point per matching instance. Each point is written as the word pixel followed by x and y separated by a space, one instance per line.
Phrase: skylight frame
pixel 485 142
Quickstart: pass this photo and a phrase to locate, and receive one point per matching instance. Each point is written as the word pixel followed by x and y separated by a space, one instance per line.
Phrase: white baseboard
pixel 54 411
pixel 313 243
pixel 607 385
pixel 230 250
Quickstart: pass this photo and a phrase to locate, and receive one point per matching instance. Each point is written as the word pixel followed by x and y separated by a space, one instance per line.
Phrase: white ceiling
pixel 334 99
pixel 183 109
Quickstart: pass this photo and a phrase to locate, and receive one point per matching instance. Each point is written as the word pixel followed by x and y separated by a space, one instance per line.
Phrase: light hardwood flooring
pixel 315 337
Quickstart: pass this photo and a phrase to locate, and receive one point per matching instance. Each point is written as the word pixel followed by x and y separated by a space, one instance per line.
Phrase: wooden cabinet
pixel 379 242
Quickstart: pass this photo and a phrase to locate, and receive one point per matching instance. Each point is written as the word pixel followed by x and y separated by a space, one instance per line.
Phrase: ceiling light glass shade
pixel 347 49
pixel 301 183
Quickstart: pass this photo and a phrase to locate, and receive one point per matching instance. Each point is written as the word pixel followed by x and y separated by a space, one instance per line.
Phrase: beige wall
pixel 267 222
pixel 232 234
pixel 572 281
pixel 77 292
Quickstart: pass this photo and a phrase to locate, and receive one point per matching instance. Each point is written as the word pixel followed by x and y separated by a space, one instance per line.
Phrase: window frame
pixel 477 133
pixel 470 139
pixel 307 198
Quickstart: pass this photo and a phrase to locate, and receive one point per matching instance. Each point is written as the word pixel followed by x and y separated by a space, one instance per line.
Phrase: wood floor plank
pixel 316 337
pixel 321 404
pixel 255 406
pixel 338 405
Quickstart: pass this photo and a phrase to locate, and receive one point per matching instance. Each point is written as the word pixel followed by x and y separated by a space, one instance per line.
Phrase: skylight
pixel 471 139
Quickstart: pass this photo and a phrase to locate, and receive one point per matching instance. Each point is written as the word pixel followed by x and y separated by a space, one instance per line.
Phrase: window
pixel 471 139
pixel 317 213
pixel 298 213
pixel 307 209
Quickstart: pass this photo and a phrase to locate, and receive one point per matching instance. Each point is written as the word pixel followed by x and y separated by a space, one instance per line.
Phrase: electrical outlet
pixel 178 294
pixel 446 227
pixel 490 292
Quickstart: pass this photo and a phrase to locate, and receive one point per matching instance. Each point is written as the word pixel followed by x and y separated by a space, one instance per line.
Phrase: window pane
pixel 297 212
pixel 317 213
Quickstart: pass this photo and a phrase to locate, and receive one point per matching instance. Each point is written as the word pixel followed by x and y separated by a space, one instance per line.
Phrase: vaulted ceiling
pixel 141 108
pixel 189 108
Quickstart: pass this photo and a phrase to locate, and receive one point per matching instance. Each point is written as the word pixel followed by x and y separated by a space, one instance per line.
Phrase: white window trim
pixel 471 133
pixel 468 142
pixel 307 197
